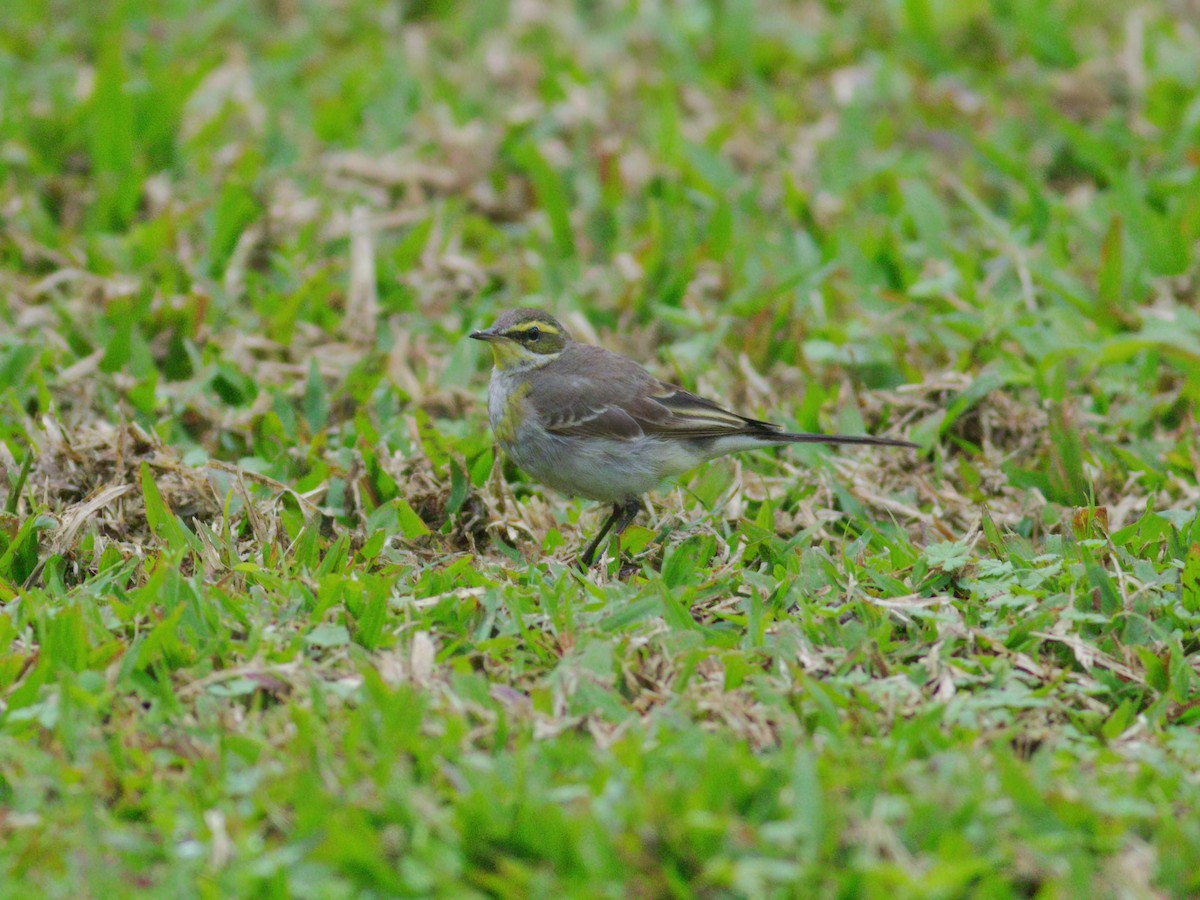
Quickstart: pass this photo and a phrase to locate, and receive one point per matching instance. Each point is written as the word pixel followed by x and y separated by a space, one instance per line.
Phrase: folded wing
pixel 605 395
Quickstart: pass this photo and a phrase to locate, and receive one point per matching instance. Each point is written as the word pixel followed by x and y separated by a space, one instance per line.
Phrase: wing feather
pixel 596 393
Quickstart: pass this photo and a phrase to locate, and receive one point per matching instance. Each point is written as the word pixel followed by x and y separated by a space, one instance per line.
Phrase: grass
pixel 275 620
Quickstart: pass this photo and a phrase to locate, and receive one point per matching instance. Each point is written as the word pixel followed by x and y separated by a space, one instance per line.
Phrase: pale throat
pixel 510 358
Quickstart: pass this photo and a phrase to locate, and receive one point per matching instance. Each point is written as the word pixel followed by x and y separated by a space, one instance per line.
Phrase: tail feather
pixel 752 438
pixel 789 437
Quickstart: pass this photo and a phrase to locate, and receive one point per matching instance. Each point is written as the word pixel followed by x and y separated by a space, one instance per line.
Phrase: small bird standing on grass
pixel 589 422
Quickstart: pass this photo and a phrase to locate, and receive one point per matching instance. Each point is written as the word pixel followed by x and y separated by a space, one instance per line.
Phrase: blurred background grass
pixel 258 231
pixel 885 191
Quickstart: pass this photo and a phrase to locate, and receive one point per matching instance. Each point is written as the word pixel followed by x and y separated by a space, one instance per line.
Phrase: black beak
pixel 487 335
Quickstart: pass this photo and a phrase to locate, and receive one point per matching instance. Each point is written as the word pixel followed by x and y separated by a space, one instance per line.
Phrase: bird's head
pixel 524 338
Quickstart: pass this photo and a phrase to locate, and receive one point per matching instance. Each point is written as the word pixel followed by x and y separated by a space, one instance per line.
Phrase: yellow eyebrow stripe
pixel 541 326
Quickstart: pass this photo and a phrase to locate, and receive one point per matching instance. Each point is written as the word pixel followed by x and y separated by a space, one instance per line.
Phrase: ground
pixel 276 620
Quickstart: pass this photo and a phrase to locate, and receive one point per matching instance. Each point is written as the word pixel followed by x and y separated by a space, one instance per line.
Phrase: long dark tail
pixel 793 438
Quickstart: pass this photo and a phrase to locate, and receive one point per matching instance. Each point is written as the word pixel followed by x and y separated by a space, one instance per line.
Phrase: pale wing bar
pixel 668 412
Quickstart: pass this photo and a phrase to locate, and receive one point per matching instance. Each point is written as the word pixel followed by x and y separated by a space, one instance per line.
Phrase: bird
pixel 589 422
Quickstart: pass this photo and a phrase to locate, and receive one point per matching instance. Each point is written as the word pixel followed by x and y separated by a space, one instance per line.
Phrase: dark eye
pixel 532 334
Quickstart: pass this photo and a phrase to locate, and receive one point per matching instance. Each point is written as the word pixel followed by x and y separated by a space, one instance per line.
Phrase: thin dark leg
pixel 622 515
pixel 628 513
pixel 589 554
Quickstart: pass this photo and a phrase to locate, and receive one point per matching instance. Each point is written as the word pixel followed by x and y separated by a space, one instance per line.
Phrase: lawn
pixel 276 619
